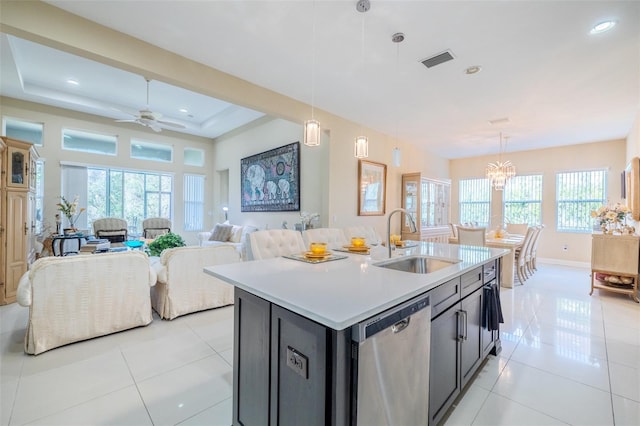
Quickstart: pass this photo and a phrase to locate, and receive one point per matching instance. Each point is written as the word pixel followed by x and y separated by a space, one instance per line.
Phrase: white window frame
pixel 480 186
pixel 585 202
pixel 532 196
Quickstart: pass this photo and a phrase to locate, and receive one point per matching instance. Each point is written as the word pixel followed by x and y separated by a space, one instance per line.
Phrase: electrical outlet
pixel 565 247
pixel 297 362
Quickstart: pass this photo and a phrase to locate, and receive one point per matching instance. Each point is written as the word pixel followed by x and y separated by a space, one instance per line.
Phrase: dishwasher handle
pixel 400 325
pixel 397 318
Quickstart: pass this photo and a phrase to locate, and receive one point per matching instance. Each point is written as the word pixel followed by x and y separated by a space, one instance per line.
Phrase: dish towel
pixel 492 315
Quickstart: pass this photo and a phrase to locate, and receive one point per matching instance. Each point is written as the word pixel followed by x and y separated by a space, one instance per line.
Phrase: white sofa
pixel 237 239
pixel 182 285
pixel 80 297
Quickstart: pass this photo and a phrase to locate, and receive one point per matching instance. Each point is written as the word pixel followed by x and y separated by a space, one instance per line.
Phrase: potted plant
pixel 166 241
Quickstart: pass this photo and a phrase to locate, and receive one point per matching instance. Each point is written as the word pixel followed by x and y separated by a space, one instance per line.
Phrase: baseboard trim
pixel 572 263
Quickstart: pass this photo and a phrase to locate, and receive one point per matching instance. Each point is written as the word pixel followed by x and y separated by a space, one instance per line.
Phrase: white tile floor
pixel 567 358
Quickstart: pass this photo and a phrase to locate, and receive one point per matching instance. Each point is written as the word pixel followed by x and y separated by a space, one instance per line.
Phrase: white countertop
pixel 341 293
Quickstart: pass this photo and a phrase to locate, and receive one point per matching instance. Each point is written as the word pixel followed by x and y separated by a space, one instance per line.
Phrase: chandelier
pixel 500 172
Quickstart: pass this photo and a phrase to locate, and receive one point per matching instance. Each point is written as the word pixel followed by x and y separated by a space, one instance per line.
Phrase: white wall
pixel 268 134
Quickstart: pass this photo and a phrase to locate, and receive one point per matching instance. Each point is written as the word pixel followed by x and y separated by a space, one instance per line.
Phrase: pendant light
pixel 397 38
pixel 312 126
pixel 500 172
pixel 361 145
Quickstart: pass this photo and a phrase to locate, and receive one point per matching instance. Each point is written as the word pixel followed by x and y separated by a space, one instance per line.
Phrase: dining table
pixel 512 242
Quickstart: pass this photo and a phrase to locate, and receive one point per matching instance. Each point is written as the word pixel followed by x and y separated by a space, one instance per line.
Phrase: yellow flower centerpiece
pixel 70 210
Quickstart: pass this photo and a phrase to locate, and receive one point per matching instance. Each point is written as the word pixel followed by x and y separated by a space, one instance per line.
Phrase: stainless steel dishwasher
pixel 391 365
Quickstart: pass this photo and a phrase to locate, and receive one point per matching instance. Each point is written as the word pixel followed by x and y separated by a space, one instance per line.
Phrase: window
pixel 193 157
pixel 522 202
pixel 39 198
pixel 475 201
pixel 128 194
pixel 193 202
pixel 577 194
pixel 23 130
pixel 95 143
pixel 151 151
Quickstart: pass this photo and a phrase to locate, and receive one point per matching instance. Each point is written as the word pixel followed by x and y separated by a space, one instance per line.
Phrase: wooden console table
pixel 616 255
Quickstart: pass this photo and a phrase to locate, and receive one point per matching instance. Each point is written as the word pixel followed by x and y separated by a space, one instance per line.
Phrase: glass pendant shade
pixel 312 132
pixel 396 157
pixel 361 147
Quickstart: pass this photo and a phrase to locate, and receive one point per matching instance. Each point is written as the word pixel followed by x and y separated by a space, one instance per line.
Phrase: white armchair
pixel 275 242
pixel 80 297
pixel 182 285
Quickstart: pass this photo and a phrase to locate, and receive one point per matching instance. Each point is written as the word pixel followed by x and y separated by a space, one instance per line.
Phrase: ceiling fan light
pixel 361 147
pixel 312 132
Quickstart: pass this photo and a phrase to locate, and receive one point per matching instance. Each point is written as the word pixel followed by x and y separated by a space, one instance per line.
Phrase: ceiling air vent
pixel 437 59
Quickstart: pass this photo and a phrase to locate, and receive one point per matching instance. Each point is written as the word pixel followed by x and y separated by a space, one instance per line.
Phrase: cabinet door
pixel 18 163
pixel 472 349
pixel 252 319
pixel 444 366
pixel 298 370
pixel 16 241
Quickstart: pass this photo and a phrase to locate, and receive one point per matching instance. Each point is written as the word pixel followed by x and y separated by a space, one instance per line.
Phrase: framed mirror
pixel 372 188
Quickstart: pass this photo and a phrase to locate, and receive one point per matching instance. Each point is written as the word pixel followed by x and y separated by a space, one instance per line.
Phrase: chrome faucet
pixel 412 226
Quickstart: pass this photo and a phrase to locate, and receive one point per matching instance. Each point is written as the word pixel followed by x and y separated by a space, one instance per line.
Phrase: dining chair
pixel 331 236
pixel 471 236
pixel 454 230
pixel 521 256
pixel 531 262
pixel 271 243
pixel 517 228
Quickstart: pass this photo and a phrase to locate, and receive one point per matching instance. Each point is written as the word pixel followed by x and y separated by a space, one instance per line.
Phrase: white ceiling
pixel 557 84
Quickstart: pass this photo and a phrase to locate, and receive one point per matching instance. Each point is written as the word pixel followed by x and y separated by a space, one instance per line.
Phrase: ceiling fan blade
pixel 155 127
pixel 171 124
pixel 129 120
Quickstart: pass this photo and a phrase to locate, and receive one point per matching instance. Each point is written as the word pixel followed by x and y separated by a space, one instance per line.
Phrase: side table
pixel 58 243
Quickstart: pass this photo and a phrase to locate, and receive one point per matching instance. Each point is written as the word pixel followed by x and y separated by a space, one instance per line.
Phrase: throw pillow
pixel 236 234
pixel 221 232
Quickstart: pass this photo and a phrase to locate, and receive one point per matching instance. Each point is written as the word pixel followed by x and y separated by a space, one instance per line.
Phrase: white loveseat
pixel 182 285
pixel 80 297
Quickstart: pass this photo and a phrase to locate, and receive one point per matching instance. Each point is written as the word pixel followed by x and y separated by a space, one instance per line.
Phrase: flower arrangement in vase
pixel 70 210
pixel 610 218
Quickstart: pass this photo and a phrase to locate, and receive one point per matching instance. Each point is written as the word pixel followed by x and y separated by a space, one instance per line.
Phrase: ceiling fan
pixel 148 118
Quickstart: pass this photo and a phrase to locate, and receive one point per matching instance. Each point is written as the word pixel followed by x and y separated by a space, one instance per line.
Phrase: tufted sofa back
pixel 331 236
pixel 275 242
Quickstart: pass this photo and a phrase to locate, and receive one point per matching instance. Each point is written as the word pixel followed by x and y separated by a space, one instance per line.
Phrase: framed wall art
pixel 270 181
pixel 372 188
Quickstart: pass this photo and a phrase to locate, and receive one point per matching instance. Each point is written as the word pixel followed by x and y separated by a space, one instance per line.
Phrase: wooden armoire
pixel 17 221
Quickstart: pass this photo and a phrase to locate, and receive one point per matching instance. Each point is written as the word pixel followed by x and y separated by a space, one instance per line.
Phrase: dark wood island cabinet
pixel 293 370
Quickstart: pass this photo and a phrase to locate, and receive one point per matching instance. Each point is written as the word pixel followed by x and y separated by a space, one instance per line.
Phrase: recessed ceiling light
pixel 474 69
pixel 602 27
pixel 183 110
pixel 73 82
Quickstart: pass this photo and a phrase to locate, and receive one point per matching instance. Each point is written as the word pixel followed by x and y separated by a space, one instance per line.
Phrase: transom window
pixel 522 200
pixel 95 143
pixel 577 194
pixel 475 201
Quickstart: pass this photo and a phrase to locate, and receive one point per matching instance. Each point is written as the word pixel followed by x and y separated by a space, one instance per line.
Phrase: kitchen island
pixel 295 361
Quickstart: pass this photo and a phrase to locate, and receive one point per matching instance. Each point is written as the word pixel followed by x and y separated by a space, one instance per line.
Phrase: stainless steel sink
pixel 416 264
